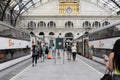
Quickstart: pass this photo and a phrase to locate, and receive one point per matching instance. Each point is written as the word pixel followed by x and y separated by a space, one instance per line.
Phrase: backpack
pixel 46 50
pixel 35 51
pixel 69 48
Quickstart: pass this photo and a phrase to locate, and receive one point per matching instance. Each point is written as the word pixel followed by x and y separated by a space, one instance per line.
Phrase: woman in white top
pixel 53 51
pixel 74 50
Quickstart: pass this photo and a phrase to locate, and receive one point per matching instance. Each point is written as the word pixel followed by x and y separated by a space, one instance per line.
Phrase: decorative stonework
pixel 69 6
pixel 64 11
pixel 69 0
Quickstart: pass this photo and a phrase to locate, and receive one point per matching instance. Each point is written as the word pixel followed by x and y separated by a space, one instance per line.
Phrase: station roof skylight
pixel 113 6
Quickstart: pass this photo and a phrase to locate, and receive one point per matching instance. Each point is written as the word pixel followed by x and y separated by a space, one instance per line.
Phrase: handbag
pixel 107 75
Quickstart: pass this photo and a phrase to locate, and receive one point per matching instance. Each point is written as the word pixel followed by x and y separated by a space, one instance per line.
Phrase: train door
pixel 80 47
pixel 86 48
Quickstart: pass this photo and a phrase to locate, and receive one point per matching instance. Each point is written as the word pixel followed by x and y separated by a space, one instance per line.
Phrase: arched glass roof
pixel 23 5
pixel 20 6
pixel 17 7
pixel 112 6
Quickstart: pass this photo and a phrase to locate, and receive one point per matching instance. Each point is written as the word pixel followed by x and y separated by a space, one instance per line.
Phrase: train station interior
pixel 88 28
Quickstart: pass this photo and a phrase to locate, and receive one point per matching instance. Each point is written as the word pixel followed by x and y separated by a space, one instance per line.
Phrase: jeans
pixel 116 77
pixel 34 59
pixel 69 55
pixel 43 56
pixel 74 55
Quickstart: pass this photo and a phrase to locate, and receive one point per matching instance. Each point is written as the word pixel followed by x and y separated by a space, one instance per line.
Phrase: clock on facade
pixel 69 10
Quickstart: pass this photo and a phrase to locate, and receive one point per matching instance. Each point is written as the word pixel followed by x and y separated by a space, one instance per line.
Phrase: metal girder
pixel 115 3
pixel 32 2
pixel 31 5
pixel 11 13
pixel 23 6
pixel 1 7
pixel 6 6
pixel 118 12
pixel 20 12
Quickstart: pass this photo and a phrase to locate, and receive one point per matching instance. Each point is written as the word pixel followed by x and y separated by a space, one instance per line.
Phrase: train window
pixel 109 32
pixel 118 27
pixel 117 30
pixel 5 31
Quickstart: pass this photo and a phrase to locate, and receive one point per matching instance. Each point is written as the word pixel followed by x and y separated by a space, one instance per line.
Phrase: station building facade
pixel 65 18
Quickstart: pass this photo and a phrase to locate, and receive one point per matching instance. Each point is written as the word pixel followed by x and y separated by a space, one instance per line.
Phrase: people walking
pixel 34 55
pixel 40 53
pixel 53 51
pixel 113 63
pixel 43 53
pixel 46 49
pixel 69 52
pixel 74 50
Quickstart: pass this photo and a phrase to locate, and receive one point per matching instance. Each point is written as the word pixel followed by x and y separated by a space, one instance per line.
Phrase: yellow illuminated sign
pixel 69 7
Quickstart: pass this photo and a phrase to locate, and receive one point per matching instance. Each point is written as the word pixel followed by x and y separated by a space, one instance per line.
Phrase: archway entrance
pixel 41 33
pixel 68 39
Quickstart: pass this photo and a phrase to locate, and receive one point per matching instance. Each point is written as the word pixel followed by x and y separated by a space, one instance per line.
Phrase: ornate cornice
pixel 69 0
pixel 67 16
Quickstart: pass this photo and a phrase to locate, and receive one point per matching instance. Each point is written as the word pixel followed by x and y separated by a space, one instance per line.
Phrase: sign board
pixel 59 43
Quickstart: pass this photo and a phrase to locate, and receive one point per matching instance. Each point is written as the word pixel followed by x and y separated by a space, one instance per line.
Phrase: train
pixel 15 45
pixel 98 42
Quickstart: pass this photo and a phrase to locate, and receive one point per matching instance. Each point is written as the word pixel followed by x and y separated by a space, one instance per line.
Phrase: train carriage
pixel 103 39
pixel 14 43
pixel 82 44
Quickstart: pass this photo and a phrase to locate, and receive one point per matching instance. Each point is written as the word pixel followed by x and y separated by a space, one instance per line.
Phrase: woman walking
pixel 74 51
pixel 34 54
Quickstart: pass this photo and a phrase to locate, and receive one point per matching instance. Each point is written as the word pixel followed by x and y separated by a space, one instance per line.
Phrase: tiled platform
pixel 70 70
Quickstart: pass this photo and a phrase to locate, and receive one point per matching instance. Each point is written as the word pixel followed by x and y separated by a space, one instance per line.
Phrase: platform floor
pixel 81 69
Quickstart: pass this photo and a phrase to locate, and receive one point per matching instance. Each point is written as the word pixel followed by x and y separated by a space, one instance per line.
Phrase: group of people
pixel 39 51
pixel 112 64
pixel 71 52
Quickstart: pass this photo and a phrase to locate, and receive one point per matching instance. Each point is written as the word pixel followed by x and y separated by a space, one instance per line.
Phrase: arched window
pixel 86 24
pixel 51 33
pixel 96 24
pixel 105 23
pixel 69 24
pixel 31 24
pixel 51 24
pixel 42 24
pixel 41 33
pixel 69 35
